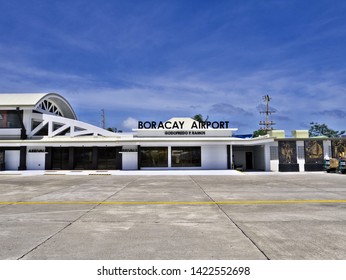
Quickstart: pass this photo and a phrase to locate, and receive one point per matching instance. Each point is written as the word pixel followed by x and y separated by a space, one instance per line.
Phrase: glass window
pixel 60 158
pixel 300 151
pixel 107 158
pixel 83 158
pixel 9 119
pixel 154 157
pixel 186 156
pixel 274 153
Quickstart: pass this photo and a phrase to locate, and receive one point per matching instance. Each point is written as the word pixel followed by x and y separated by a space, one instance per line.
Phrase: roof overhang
pixel 35 101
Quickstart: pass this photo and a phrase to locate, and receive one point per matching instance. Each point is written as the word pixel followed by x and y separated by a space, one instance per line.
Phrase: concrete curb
pixel 124 172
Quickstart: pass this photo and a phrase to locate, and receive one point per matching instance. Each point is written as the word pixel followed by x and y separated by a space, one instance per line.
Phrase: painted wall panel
pixel 12 160
pixel 214 157
pixel 35 161
pixel 130 161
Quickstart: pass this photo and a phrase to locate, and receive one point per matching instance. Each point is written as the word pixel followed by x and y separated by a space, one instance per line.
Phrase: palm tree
pixel 200 118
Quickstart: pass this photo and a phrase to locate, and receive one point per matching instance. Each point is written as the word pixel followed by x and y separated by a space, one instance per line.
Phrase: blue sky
pixel 153 60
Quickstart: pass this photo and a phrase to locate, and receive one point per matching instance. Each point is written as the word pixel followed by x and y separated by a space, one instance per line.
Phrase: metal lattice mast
pixel 103 121
pixel 267 124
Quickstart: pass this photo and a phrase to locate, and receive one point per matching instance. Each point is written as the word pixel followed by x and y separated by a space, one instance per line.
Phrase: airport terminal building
pixel 41 132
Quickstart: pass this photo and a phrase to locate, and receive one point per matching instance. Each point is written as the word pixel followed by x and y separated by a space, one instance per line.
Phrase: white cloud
pixel 130 123
pixel 297 95
pixel 228 109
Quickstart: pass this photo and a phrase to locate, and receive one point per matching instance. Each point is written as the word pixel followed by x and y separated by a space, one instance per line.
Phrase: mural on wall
pixel 287 152
pixel 313 151
pixel 338 148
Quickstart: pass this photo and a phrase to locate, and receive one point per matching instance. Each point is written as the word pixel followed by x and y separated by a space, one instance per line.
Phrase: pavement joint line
pixel 52 191
pixel 72 222
pixel 234 202
pixel 231 220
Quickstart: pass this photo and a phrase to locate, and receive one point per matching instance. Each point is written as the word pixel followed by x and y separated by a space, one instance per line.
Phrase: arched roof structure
pixel 48 103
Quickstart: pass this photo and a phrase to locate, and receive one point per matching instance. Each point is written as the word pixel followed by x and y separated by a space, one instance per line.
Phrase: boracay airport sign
pixel 184 127
pixel 181 125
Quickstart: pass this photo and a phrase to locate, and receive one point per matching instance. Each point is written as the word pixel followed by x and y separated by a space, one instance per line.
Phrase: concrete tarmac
pixel 278 216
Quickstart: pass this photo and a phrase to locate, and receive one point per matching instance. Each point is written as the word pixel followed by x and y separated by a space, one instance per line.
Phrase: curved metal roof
pixel 35 100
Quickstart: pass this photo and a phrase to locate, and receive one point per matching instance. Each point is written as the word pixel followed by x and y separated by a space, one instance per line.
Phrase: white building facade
pixel 41 132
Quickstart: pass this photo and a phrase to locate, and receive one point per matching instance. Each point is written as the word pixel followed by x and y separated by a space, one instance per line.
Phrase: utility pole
pixel 267 123
pixel 103 121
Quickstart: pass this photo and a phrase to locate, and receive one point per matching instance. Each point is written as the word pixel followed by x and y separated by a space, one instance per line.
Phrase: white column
pixel 169 156
pixel 300 156
pixel 327 144
pixel 267 157
pixel 27 120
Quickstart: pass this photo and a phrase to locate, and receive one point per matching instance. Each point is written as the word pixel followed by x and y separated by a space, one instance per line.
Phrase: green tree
pixel 114 129
pixel 317 129
pixel 259 132
pixel 200 118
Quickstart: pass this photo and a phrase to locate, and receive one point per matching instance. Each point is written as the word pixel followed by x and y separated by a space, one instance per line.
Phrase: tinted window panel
pixel 186 156
pixel 154 157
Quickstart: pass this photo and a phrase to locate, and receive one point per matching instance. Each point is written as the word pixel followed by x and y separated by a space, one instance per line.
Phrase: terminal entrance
pixel 248 157
pixel 248 160
pixel 84 158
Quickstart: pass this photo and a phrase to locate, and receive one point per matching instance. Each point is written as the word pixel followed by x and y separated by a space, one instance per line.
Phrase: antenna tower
pixel 103 121
pixel 267 124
